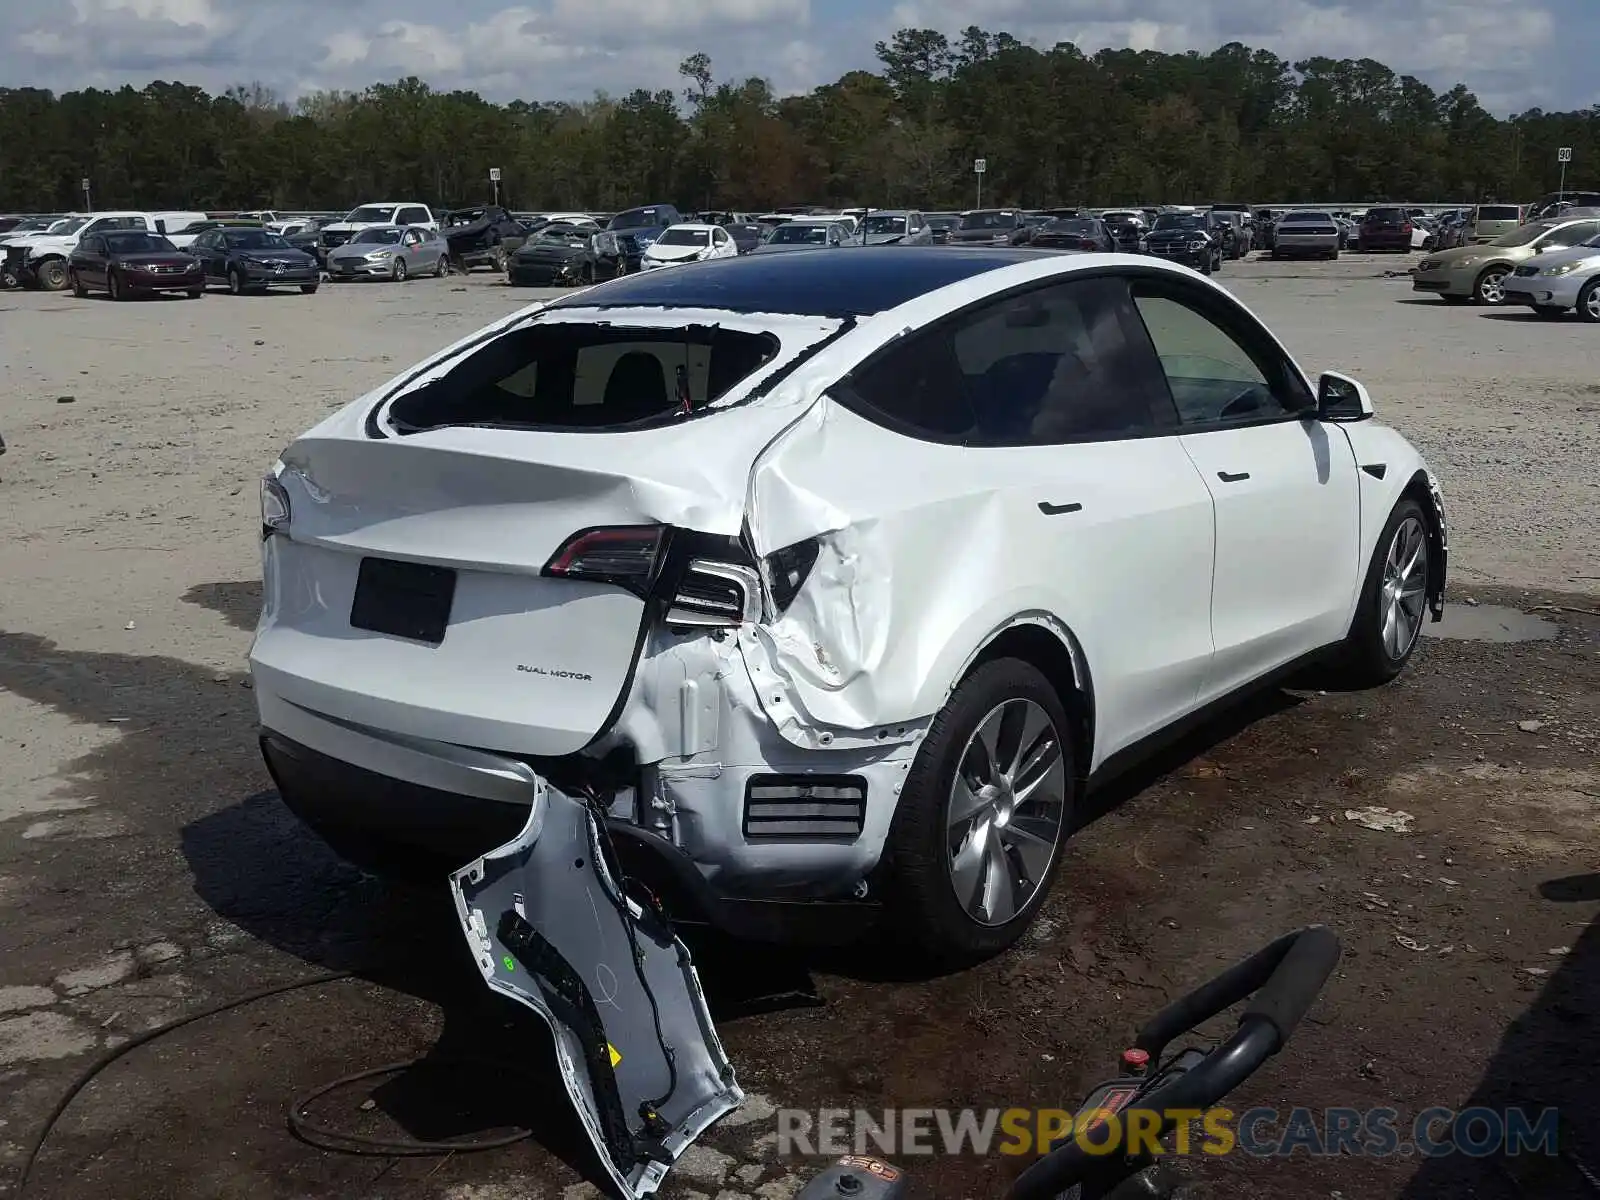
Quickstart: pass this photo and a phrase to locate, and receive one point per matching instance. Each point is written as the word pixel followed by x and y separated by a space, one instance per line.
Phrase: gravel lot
pixel 147 869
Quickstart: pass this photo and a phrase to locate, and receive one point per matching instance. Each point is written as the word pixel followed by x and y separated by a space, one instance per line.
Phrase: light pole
pixel 979 166
pixel 1563 156
pixel 88 204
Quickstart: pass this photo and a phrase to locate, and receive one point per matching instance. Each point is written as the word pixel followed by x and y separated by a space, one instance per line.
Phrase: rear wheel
pixel 78 289
pixel 1589 302
pixel 985 810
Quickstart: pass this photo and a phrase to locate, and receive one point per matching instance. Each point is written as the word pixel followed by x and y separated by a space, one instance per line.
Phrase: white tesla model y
pixel 829 582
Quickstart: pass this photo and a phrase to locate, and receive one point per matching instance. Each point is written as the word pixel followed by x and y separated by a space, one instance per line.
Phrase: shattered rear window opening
pixel 576 376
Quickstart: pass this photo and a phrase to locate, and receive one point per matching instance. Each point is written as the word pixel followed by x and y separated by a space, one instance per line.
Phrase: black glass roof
pixel 847 281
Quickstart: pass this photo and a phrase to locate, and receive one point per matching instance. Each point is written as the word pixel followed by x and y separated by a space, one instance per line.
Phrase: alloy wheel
pixel 1405 581
pixel 1006 810
pixel 1591 304
pixel 1491 288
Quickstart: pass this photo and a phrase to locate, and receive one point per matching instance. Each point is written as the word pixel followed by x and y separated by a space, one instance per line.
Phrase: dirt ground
pixel 147 869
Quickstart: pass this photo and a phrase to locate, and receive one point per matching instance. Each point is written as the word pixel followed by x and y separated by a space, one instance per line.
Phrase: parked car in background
pixel 1229 226
pixel 309 239
pixel 807 233
pixel 254 260
pixel 132 262
pixel 1555 204
pixel 1127 228
pixel 941 226
pixel 1305 234
pixel 1263 220
pixel 484 236
pixel 559 254
pixel 619 248
pixel 1385 228
pixel 743 228
pixel 896 226
pixel 1074 233
pixel 1478 272
pixel 990 226
pixel 686 243
pixel 1559 281
pixel 1188 238
pixel 394 252
pixel 1491 221
pixel 40 259
pixel 386 213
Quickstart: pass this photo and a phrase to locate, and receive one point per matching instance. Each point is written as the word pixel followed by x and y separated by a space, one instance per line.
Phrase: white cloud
pixel 1507 50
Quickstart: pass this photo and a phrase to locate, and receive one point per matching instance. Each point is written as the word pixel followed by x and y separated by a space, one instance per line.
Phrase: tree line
pixel 1054 126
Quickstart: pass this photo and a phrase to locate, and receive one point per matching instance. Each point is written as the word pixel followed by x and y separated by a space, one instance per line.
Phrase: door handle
pixel 1228 477
pixel 1056 510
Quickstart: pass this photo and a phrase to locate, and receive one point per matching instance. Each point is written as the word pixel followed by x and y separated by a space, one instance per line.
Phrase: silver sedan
pixel 390 252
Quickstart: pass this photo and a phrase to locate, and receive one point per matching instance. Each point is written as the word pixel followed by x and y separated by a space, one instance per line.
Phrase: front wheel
pixel 1393 602
pixel 985 810
pixel 235 281
pixel 52 275
pixel 399 269
pixel 1589 302
pixel 309 289
pixel 442 267
pixel 78 289
pixel 1490 288
pixel 115 287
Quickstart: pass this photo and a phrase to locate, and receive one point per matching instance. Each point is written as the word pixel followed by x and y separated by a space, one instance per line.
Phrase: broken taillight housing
pixel 274 506
pixel 715 595
pixel 626 555
pixel 786 570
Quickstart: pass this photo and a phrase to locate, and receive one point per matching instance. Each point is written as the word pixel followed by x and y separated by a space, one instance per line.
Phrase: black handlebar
pixel 1284 978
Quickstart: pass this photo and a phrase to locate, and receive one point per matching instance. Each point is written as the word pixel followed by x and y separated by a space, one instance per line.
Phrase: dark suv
pixel 1385 228
pixel 627 235
pixel 990 226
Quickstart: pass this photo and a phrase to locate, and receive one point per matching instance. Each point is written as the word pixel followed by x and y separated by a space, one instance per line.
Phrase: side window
pixel 1218 370
pixel 412 216
pixel 1572 235
pixel 1062 364
pixel 722 236
pixel 915 224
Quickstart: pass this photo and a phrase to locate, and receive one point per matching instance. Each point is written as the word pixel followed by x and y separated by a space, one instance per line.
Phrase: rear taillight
pixel 715 595
pixel 1087 244
pixel 626 555
pixel 1405 227
pixel 785 571
pixel 274 507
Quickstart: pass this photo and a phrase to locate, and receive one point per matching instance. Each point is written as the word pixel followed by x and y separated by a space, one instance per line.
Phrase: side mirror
pixel 1340 398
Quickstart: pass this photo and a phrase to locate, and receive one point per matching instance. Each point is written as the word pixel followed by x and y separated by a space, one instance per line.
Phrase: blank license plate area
pixel 409 600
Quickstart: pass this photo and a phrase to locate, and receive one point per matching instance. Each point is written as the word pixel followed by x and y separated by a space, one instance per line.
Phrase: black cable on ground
pixel 313 1133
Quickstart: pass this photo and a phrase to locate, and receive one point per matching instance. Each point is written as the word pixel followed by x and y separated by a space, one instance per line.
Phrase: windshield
pixel 799 235
pixel 942 222
pixel 635 218
pixel 564 233
pixel 1180 221
pixel 257 239
pixel 386 237
pixel 134 241
pixel 1071 225
pixel 1291 218
pixel 989 220
pixel 71 226
pixel 1525 235
pixel 885 223
pixel 684 237
pixel 370 214
pixel 1119 218
pixel 32 225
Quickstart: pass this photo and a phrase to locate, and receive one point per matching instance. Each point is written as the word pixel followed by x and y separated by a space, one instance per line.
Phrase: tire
pixel 922 903
pixel 235 281
pixel 1487 289
pixel 400 269
pixel 1588 307
pixel 1549 312
pixel 1367 657
pixel 51 275
pixel 442 267
pixel 308 289
pixel 587 274
pixel 78 288
pixel 195 293
pixel 498 262
pixel 115 287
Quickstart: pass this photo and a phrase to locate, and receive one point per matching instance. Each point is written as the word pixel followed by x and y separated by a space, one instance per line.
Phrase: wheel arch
pixel 1045 643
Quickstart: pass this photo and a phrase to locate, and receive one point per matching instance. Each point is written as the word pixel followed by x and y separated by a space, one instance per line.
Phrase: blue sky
pixel 1514 53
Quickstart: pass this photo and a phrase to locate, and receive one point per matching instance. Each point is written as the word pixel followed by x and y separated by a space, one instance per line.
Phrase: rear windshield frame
pixel 473 407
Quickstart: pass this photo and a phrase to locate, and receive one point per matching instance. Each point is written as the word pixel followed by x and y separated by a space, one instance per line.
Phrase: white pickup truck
pixel 384 212
pixel 40 260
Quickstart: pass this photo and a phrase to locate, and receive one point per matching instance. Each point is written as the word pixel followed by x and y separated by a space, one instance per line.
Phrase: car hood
pixel 157 257
pixel 45 241
pixel 549 249
pixel 1176 235
pixel 979 235
pixel 278 254
pixel 675 253
pixel 351 226
pixel 883 239
pixel 360 249
pixel 1461 255
pixel 1552 258
pixel 785 247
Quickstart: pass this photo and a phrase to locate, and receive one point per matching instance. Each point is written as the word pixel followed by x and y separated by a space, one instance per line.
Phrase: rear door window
pixel 1061 364
pixel 1498 212
pixel 576 376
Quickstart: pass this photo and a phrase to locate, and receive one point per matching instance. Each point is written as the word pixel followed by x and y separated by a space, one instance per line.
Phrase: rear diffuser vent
pixel 809 808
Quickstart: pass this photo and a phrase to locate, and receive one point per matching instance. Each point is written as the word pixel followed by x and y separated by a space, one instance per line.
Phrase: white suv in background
pixel 383 212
